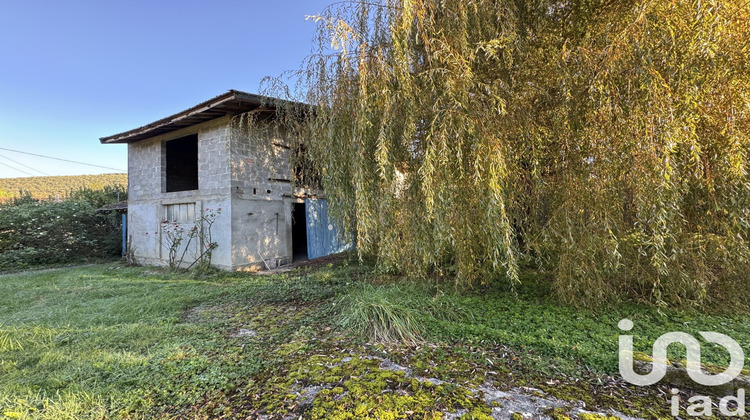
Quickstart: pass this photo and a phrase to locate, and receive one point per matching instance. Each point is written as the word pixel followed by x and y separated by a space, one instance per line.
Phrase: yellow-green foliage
pixel 51 187
pixel 605 141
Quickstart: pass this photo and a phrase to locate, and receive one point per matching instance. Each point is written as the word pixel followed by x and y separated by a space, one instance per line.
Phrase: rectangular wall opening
pixel 299 232
pixel 182 164
pixel 180 213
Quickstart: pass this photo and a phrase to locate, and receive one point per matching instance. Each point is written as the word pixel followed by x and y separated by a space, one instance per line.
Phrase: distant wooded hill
pixel 52 187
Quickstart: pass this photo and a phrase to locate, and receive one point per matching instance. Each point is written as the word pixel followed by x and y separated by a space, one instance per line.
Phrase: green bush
pixel 37 233
pixel 100 197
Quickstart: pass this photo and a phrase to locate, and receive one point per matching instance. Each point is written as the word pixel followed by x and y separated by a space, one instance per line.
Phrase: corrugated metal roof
pixel 231 103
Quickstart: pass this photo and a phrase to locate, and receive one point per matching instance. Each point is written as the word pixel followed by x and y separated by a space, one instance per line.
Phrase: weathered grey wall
pixel 146 199
pixel 236 173
pixel 261 200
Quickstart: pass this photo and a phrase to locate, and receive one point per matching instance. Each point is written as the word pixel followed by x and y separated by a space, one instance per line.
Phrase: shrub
pixel 100 197
pixel 34 233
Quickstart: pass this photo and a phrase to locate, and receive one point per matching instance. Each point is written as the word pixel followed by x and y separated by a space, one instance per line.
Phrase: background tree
pixel 603 141
pixel 61 187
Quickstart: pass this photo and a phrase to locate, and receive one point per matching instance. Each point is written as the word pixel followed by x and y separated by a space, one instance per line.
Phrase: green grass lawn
pixel 110 341
pixel 82 340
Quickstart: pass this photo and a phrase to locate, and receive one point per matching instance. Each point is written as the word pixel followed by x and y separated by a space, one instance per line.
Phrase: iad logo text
pixel 700 405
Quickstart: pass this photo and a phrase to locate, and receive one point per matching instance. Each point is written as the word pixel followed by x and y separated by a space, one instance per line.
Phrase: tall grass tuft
pixel 63 406
pixel 379 313
pixel 8 342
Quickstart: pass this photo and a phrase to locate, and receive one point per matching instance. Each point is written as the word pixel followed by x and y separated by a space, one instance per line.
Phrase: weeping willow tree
pixel 604 142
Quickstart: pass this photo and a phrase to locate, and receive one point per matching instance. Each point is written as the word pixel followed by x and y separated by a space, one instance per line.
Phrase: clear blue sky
pixel 73 71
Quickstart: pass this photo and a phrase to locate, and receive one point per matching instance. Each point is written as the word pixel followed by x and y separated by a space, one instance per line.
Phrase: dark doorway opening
pixel 299 232
pixel 182 164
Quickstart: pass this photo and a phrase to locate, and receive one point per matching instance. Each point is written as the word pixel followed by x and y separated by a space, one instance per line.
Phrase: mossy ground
pixel 116 342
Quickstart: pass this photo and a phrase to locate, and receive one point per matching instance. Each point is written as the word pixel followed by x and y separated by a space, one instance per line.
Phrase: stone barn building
pixel 196 162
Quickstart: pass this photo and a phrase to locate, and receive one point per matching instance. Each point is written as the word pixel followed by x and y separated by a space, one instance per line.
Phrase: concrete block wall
pixel 147 183
pixel 213 157
pixel 258 161
pixel 261 202
pixel 237 172
pixel 144 169
pixel 259 233
pixel 144 236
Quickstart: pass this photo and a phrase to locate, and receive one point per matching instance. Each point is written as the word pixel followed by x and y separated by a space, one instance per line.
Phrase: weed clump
pixel 379 313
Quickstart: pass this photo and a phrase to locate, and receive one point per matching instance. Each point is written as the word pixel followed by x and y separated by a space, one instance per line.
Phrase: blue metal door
pixel 322 234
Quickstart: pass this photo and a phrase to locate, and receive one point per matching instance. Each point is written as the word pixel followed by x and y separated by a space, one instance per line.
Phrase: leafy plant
pixel 34 233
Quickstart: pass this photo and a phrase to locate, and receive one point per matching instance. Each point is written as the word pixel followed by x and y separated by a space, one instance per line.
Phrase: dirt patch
pixel 212 313
pixel 309 265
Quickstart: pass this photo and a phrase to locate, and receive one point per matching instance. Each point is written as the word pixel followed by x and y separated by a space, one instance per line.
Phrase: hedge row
pixel 40 233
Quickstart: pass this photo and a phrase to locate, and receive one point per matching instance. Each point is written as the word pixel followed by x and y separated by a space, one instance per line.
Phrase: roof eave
pixel 200 113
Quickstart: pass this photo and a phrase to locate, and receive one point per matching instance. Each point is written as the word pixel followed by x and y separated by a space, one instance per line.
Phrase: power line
pixel 19 170
pixel 64 160
pixel 25 166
